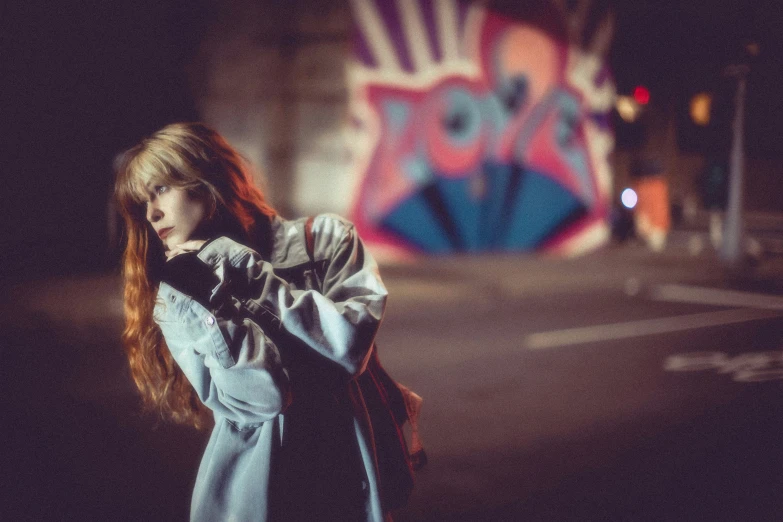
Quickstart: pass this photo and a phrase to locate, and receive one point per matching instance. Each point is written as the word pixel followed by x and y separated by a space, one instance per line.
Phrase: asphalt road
pixel 525 418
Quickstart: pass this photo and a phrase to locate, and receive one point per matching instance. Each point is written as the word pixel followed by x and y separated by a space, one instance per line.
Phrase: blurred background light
pixel 701 107
pixel 629 198
pixel 753 48
pixel 641 95
pixel 628 108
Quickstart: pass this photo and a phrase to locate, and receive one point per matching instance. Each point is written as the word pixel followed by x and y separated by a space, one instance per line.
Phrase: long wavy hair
pixel 193 157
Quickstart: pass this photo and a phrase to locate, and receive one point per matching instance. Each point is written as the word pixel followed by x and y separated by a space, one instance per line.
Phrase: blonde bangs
pixel 151 166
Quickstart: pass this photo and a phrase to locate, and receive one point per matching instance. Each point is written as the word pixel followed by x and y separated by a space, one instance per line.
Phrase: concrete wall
pixel 270 77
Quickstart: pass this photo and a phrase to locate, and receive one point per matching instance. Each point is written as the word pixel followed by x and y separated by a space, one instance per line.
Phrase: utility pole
pixel 732 248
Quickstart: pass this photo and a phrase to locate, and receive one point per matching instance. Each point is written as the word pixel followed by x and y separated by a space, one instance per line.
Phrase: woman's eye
pixel 160 189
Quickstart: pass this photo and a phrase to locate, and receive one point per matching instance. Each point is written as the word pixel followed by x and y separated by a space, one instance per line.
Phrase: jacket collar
pixel 289 247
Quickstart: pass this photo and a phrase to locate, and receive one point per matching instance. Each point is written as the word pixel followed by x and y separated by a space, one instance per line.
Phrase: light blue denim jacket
pixel 236 368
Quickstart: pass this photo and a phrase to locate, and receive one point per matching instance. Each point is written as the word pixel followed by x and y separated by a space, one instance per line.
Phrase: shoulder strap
pixel 309 239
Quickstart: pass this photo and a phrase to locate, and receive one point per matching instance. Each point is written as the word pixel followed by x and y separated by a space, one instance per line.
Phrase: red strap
pixel 309 240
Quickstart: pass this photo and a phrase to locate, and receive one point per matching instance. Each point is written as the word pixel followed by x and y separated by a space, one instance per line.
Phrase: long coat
pixel 271 358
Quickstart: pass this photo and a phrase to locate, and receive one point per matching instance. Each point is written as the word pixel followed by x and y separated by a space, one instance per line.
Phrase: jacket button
pixel 210 320
pixel 173 298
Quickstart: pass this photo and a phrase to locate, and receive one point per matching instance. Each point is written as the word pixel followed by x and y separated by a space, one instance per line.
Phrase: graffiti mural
pixel 474 132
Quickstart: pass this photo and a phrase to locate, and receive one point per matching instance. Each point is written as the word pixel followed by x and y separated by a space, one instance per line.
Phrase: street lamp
pixel 731 249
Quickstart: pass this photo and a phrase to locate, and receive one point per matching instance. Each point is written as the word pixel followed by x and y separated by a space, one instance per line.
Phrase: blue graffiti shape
pixel 516 210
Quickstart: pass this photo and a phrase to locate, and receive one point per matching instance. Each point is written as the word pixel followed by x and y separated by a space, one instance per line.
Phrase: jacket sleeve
pixel 339 323
pixel 234 368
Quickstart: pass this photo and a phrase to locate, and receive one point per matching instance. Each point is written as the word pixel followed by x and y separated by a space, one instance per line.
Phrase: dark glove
pixel 191 276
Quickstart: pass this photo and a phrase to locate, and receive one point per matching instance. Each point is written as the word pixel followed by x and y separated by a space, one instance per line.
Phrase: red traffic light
pixel 641 95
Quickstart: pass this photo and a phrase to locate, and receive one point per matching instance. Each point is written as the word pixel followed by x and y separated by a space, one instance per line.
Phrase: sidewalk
pixel 764 227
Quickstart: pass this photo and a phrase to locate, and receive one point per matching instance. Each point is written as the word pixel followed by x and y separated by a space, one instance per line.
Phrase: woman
pixel 224 313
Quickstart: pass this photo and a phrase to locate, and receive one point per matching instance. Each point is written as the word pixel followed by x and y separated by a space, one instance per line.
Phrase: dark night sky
pixel 671 45
pixel 679 48
pixel 80 81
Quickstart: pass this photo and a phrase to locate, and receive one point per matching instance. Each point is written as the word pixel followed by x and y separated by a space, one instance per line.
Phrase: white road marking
pixel 745 367
pixel 715 296
pixel 609 332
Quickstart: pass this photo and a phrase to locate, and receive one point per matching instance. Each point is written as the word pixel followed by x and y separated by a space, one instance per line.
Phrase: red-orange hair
pixel 195 158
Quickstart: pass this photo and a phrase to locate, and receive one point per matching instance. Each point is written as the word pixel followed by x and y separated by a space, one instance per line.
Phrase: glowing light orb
pixel 701 105
pixel 641 95
pixel 627 108
pixel 629 198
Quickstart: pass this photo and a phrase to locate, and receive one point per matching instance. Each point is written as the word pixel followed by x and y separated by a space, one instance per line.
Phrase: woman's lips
pixel 163 232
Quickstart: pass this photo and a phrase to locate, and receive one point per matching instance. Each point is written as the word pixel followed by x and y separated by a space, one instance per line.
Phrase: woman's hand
pixel 188 246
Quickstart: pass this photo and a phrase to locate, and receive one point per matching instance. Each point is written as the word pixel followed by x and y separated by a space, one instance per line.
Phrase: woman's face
pixel 173 213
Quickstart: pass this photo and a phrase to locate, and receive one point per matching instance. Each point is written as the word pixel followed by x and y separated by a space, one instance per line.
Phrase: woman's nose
pixel 153 213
